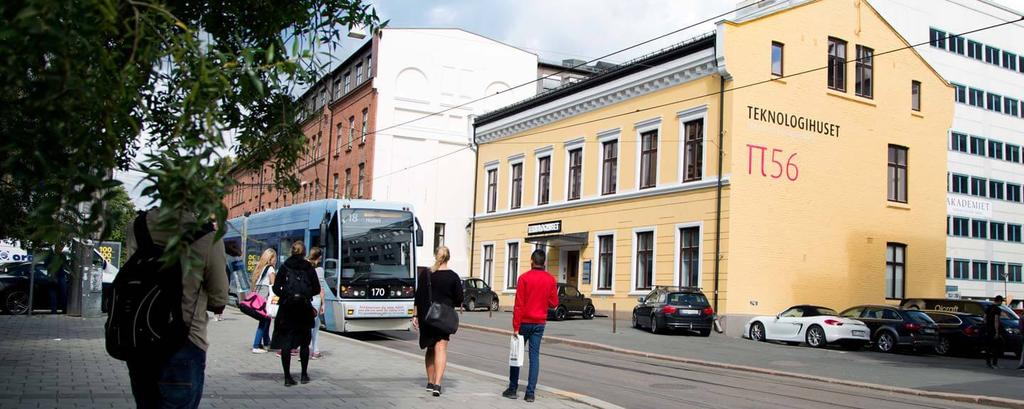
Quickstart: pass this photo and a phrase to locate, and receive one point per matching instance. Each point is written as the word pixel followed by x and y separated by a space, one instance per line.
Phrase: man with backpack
pixel 167 370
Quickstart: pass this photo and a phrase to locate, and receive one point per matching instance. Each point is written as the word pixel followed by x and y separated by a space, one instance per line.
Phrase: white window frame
pixel 489 166
pixel 578 143
pixel 633 291
pixel 519 258
pixel 602 137
pixel 545 152
pixel 596 280
pixel 483 246
pixel 639 128
pixel 512 161
pixel 700 252
pixel 683 117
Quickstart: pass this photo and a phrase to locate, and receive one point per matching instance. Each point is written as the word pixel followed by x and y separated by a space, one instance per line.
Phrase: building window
pixel 991 55
pixel 366 112
pixel 1009 60
pixel 937 38
pixel 575 182
pixel 543 180
pixel 777 58
pixel 995 102
pixel 1015 273
pixel 995 149
pixel 864 76
pixel 351 131
pixel 362 178
pixel 605 262
pixel 961 226
pixel 492 190
pixel 359 73
pixel 693 150
pixel 644 260
pixel 979 270
pixel 915 95
pixel 488 270
pixel 977 146
pixel 895 270
pixel 689 257
pixel 976 98
pixel 1010 107
pixel 979 229
pixel 1013 153
pixel 978 186
pixel 369 66
pixel 337 88
pixel 897 174
pixel 438 235
pixel 997 231
pixel 348 183
pixel 348 82
pixel 837 64
pixel 609 166
pixel 995 189
pixel 517 186
pixel 961 269
pixel 961 184
pixel 334 191
pixel 956 45
pixel 1013 192
pixel 512 266
pixel 974 50
pixel 960 93
pixel 1013 233
pixel 648 159
pixel 958 142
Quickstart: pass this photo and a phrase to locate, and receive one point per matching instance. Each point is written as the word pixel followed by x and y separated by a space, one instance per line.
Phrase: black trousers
pixel 994 347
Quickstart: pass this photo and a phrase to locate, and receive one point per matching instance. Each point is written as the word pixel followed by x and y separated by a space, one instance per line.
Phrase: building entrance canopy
pixel 560 240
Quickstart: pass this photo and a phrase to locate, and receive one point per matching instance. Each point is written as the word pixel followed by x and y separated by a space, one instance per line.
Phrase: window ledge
pixel 636 293
pixel 859 100
pixel 602 293
pixel 508 292
pixel 778 79
pixel 897 205
pixel 916 114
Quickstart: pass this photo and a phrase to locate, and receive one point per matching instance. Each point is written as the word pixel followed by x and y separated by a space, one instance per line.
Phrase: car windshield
pixel 818 311
pixel 688 299
pixel 918 317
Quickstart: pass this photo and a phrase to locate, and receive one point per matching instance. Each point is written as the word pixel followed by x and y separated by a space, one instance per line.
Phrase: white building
pixel 985 211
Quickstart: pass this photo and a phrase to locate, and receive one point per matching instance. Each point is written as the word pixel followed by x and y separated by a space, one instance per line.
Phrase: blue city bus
pixel 369 257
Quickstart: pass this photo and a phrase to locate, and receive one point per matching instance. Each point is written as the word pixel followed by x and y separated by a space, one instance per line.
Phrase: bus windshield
pixel 376 244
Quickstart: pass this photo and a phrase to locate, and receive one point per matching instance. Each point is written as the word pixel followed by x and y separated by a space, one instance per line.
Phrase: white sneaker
pixel 259 351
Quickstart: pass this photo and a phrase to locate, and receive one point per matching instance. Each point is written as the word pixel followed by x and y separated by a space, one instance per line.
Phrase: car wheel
pixel 588 312
pixel 471 305
pixel 886 342
pixel 16 302
pixel 944 346
pixel 757 332
pixel 655 327
pixel 705 332
pixel 560 314
pixel 494 304
pixel 636 320
pixel 816 337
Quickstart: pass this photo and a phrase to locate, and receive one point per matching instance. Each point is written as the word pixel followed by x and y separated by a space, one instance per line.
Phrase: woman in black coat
pixel 447 289
pixel 295 285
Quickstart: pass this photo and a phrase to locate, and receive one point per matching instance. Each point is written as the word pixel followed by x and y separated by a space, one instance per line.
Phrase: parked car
pixel 49 288
pixel 477 293
pixel 669 308
pixel 958 332
pixel 818 326
pixel 571 302
pixel 1010 320
pixel 893 327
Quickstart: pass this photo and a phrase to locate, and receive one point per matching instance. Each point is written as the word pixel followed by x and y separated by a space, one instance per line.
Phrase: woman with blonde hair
pixel 314 258
pixel 444 286
pixel 261 281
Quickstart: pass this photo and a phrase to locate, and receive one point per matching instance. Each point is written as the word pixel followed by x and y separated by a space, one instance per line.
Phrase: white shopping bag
pixel 516 351
pixel 272 306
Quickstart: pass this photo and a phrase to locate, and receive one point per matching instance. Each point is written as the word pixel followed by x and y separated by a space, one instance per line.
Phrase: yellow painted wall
pixel 821 239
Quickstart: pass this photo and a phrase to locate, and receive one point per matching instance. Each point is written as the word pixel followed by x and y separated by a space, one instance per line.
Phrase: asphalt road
pixel 635 382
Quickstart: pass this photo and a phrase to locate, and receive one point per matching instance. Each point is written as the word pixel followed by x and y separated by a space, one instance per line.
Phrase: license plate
pixel 688 312
pixel 860 333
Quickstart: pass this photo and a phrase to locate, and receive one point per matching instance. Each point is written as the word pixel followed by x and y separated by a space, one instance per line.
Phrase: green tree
pixel 87 85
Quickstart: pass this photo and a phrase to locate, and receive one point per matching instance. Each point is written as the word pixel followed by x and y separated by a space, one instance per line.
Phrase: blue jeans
pixel 262 334
pixel 177 384
pixel 532 333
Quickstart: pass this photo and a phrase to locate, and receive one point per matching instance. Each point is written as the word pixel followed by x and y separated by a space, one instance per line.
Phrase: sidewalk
pixel 58 361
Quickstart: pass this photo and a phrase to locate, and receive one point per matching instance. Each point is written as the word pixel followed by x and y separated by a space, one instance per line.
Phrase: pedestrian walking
pixel 536 292
pixel 993 333
pixel 261 281
pixel 442 288
pixel 177 382
pixel 315 256
pixel 295 284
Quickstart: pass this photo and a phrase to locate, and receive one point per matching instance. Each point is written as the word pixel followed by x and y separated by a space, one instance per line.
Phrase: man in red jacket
pixel 535 293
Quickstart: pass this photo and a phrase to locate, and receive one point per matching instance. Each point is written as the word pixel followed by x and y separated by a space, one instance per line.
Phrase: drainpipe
pixel 718 194
pixel 476 182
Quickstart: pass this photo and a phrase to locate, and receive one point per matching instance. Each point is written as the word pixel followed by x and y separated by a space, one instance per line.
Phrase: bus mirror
pixel 419 237
pixel 323 230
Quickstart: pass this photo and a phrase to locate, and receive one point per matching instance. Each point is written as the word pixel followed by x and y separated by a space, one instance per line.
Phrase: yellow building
pixel 830 189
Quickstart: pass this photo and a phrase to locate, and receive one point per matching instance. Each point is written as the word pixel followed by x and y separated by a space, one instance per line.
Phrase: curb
pixel 584 399
pixel 978 399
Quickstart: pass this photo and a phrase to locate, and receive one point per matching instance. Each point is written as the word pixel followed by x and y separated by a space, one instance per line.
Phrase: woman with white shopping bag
pixel 262 279
pixel 437 292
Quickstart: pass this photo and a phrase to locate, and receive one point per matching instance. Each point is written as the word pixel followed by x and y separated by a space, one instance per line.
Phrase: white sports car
pixel 817 326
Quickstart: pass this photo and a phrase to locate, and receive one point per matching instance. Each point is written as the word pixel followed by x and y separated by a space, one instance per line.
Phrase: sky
pixel 554 30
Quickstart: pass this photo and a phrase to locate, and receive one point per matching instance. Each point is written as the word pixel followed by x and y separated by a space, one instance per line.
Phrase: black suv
pixel 476 293
pixel 571 301
pixel 958 332
pixel 1009 319
pixel 892 327
pixel 674 308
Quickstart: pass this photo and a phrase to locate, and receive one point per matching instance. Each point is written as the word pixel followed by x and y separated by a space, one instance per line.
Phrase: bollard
pixel 490 313
pixel 614 319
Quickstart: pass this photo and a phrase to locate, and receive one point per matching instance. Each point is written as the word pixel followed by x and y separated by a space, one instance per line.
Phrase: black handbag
pixel 440 316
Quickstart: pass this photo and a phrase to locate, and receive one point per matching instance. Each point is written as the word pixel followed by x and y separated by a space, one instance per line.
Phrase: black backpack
pixel 145 320
pixel 293 284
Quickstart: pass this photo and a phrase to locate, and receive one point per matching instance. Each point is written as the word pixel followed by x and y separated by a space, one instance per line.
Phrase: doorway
pixel 571 266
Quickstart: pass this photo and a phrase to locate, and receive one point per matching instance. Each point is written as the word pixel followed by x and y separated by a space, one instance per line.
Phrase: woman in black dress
pixel 447 289
pixel 295 284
